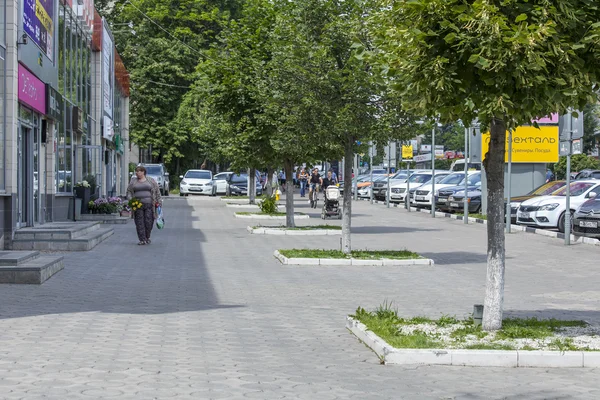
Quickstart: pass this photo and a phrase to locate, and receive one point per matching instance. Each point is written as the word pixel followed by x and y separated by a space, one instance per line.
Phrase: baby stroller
pixel 331 207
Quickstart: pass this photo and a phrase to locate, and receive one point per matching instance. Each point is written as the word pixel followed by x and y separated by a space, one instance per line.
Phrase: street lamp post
pixel 465 204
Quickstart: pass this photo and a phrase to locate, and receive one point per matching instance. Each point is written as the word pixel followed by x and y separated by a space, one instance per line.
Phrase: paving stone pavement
pixel 206 312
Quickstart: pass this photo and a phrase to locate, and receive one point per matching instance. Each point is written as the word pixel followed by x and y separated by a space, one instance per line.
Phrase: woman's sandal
pixel 141 243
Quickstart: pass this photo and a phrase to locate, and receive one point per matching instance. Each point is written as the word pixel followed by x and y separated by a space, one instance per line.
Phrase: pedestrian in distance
pixel 333 175
pixel 303 178
pixel 146 190
pixel 549 176
pixel 282 180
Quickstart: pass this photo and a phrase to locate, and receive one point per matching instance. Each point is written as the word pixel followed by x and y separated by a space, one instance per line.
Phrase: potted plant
pixel 83 191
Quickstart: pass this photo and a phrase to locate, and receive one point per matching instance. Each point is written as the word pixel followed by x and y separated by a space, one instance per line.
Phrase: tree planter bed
pixel 266 230
pixel 267 216
pixel 351 261
pixel 472 358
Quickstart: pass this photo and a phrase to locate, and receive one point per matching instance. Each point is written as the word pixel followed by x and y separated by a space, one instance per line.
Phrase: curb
pixel 350 261
pixel 288 232
pixel 516 228
pixel 236 205
pixel 279 217
pixel 472 358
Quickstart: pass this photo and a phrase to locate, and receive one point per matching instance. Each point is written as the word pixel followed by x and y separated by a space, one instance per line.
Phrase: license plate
pixel 524 215
pixel 420 197
pixel 588 224
pixel 454 205
pixel 442 200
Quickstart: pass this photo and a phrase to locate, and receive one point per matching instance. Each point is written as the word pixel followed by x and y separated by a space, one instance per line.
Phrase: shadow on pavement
pixel 118 276
pixel 387 229
pixel 457 257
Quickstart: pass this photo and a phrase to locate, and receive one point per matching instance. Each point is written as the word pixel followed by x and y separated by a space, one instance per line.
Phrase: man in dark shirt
pixel 315 182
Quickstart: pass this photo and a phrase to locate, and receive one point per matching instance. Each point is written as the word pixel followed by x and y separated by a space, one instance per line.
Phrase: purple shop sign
pixel 32 91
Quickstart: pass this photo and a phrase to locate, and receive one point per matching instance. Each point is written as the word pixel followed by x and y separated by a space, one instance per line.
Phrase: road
pixel 206 312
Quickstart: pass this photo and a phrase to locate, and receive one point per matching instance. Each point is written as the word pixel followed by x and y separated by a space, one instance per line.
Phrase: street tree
pixel 503 63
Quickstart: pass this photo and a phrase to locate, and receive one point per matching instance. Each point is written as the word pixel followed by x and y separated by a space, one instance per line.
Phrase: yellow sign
pixel 407 152
pixel 42 15
pixel 529 144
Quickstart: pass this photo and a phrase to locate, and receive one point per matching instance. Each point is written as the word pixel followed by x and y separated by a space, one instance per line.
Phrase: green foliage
pixel 268 205
pixel 359 254
pixel 578 162
pixel 466 60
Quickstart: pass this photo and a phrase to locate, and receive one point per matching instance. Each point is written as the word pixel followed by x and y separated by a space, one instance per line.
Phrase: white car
pixel 422 197
pixel 416 180
pixel 196 181
pixel 549 211
pixel 219 185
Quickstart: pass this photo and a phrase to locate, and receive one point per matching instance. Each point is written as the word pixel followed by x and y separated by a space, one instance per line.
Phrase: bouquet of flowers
pixel 84 184
pixel 135 204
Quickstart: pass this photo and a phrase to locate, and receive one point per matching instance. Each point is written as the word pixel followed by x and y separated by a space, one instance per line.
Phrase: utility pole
pixel 508 211
pixel 432 170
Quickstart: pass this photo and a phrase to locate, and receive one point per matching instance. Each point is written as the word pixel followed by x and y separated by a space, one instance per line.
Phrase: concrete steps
pixel 28 267
pixel 62 236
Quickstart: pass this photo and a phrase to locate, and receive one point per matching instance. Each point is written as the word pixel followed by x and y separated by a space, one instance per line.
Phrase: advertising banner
pixel 109 132
pixel 38 23
pixel 32 91
pixel 529 144
pixel 407 152
pixel 54 103
pixel 108 64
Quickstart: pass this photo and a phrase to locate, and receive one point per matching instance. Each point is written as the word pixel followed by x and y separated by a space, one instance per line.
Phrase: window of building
pixel 3 22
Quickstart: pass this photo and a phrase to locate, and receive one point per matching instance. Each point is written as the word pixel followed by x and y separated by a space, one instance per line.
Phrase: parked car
pixel 379 181
pixel 196 181
pixel 586 220
pixel 438 177
pixel 544 190
pixel 219 183
pixel 237 185
pixel 587 174
pixel 159 173
pixel 456 201
pixel 549 211
pixel 398 190
pixel 423 194
pixel 473 181
pixel 380 186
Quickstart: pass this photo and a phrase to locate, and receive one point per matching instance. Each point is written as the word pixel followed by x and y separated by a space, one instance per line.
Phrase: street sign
pixel 426 148
pixel 407 151
pixel 576 149
pixel 564 149
pixel 439 153
pixel 422 158
pixel 577 126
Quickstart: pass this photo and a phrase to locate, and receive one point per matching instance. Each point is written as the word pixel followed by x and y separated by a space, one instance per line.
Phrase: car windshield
pixel 577 189
pixel 472 179
pixel 239 178
pixel 379 171
pixel 399 175
pixel 439 178
pixel 153 170
pixel 419 178
pixel 220 177
pixel 452 179
pixel 595 175
pixel 197 175
pixel 547 188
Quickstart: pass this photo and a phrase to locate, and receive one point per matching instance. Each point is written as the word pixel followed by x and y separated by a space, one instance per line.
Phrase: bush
pixel 578 162
pixel 268 205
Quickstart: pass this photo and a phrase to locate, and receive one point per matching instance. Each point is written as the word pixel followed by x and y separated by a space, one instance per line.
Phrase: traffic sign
pixel 407 151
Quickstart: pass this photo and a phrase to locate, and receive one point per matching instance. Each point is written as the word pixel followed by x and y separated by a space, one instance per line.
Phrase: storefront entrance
pixel 30 176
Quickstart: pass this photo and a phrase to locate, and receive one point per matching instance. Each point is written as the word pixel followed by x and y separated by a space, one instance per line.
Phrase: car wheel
pixel 561 222
pixel 167 192
pixel 181 194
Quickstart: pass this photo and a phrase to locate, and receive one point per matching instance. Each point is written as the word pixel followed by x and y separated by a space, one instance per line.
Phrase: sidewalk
pixel 207 312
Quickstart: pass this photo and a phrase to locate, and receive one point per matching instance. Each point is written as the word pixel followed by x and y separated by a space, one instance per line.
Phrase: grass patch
pixel 450 332
pixel 174 191
pixel 358 254
pixel 312 227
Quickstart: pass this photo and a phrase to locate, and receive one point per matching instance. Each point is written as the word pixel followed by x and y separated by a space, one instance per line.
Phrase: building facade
pixel 63 111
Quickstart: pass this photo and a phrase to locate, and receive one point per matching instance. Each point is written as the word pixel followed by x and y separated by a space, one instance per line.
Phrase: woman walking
pixel 147 191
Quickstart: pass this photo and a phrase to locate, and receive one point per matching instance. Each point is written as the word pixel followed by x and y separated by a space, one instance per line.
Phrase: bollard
pixel 477 314
pixel 277 194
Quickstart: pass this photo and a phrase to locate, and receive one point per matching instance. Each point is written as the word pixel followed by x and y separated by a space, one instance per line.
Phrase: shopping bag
pixel 160 221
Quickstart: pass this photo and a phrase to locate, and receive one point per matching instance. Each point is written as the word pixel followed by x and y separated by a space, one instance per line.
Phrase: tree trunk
pixel 494 169
pixel 289 195
pixel 347 198
pixel 252 185
pixel 269 182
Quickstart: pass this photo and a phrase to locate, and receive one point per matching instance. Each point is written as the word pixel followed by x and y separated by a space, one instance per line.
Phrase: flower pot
pixel 84 194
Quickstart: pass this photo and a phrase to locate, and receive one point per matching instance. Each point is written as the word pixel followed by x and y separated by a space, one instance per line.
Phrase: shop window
pixel 2 114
